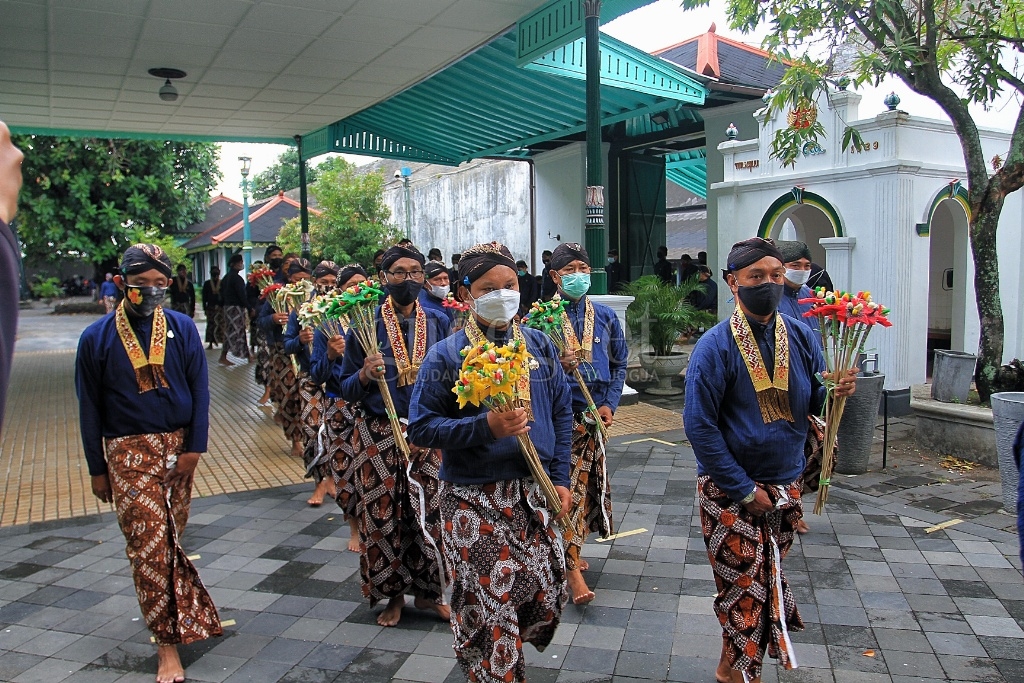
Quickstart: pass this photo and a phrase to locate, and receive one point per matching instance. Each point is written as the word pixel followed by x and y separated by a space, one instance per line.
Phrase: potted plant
pixel 659 315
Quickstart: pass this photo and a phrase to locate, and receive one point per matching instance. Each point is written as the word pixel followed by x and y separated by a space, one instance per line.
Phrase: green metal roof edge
pixel 125 135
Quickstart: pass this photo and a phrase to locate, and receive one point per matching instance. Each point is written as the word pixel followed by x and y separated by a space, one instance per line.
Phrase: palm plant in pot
pixel 659 315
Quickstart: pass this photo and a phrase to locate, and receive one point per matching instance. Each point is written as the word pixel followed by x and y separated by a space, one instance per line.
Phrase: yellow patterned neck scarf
pixel 582 349
pixel 772 394
pixel 149 368
pixel 476 336
pixel 408 368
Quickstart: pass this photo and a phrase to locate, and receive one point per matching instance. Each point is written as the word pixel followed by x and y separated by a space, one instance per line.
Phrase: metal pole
pixel 303 200
pixel 594 228
pixel 408 209
pixel 246 232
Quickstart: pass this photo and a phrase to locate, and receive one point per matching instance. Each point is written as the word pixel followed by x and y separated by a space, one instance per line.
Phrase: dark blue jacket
pixel 292 344
pixel 430 302
pixel 471 454
pixel 722 418
pixel 606 373
pixel 347 371
pixel 791 306
pixel 265 321
pixel 109 402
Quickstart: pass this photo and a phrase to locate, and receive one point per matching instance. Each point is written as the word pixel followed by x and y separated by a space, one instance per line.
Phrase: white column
pixel 844 112
pixel 618 304
pixel 838 259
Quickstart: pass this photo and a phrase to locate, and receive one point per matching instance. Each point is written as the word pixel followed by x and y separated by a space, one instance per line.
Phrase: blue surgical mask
pixel 611 259
pixel 575 285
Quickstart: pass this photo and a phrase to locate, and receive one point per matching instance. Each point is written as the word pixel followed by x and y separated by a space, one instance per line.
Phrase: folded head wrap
pixel 434 268
pixel 139 258
pixel 325 268
pixel 399 252
pixel 750 251
pixel 299 265
pixel 564 254
pixel 480 258
pixel 348 272
pixel 793 251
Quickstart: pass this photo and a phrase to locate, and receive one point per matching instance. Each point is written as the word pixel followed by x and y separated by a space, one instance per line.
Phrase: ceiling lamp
pixel 167 92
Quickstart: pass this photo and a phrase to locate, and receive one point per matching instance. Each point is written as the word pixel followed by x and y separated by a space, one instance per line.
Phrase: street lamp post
pixel 404 173
pixel 246 234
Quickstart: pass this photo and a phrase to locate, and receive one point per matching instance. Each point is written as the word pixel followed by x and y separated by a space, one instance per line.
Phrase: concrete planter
pixel 1008 413
pixel 964 431
pixel 665 369
pixel 857 428
pixel 951 378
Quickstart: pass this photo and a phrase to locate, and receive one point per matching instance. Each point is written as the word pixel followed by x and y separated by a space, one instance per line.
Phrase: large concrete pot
pixel 665 369
pixel 1007 414
pixel 952 375
pixel 857 428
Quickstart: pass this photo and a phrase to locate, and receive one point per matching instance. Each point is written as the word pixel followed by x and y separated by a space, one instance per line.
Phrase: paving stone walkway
pixel 883 599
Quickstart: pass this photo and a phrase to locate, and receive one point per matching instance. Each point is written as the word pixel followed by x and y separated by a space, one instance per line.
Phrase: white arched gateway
pixel 889 216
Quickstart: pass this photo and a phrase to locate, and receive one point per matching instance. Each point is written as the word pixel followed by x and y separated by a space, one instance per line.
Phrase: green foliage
pixel 282 176
pixel 47 289
pixel 87 199
pixel 660 313
pixel 354 219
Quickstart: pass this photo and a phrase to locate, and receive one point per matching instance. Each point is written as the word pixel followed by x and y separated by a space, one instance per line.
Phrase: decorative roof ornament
pixel 892 100
pixel 732 131
pixel 803 115
pixel 843 82
pixel 767 96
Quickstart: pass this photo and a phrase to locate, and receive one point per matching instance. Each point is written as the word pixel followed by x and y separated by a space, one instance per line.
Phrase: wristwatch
pixel 750 497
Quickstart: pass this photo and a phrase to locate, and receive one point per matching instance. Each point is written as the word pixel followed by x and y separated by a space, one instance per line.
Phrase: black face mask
pixel 140 302
pixel 275 263
pixel 762 299
pixel 404 293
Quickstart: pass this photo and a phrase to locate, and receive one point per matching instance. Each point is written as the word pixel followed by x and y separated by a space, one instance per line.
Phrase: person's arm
pixel 292 344
pixel 352 388
pixel 265 319
pixel 618 356
pixel 199 385
pixel 433 404
pixel 319 364
pixel 561 419
pixel 817 366
pixel 705 390
pixel 89 386
pixel 207 294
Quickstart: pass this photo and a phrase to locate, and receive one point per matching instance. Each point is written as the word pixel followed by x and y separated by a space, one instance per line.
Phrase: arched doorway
pixel 803 216
pixel 948 270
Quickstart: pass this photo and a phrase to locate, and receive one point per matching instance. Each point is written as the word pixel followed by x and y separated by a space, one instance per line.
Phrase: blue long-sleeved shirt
pixel 322 369
pixel 109 402
pixel 265 321
pixel 606 373
pixel 791 306
pixel 722 418
pixel 352 389
pixel 430 302
pixel 293 345
pixel 471 454
pixel 108 288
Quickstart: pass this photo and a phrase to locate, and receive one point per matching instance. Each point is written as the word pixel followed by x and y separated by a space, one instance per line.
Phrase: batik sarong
pixel 508 575
pixel 235 320
pixel 284 392
pixel 340 453
pixel 110 303
pixel 261 368
pixel 215 325
pixel 310 419
pixel 175 604
pixel 813 448
pixel 399 515
pixel 591 509
pixel 755 605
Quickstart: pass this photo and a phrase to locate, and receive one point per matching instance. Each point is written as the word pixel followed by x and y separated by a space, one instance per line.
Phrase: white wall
pixel 561 193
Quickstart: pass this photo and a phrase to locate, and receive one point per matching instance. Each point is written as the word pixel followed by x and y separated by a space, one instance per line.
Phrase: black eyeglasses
pixel 402 276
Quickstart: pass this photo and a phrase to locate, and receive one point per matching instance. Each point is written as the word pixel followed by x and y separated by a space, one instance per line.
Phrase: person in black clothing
pixel 213 308
pixel 663 268
pixel 183 293
pixel 10 184
pixel 547 285
pixel 234 299
pixel 708 299
pixel 616 272
pixel 819 278
pixel 687 268
pixel 529 290
pixel 377 257
pixel 702 258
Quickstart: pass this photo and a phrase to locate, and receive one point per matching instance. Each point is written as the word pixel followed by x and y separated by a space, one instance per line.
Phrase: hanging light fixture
pixel 167 92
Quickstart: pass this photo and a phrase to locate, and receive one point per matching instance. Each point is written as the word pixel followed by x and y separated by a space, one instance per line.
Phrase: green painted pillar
pixel 303 200
pixel 594 230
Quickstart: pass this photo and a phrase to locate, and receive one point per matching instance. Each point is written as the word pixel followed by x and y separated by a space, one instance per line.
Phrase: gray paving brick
pixel 956 644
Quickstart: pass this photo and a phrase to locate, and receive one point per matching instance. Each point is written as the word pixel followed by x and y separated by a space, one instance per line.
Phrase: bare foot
pixel 392 613
pixel 353 539
pixel 801 527
pixel 297 452
pixel 168 667
pixel 443 611
pixel 583 565
pixel 581 593
pixel 225 362
pixel 317 499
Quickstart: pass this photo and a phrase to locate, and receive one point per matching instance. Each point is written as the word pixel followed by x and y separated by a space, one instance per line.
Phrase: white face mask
pixel 497 307
pixel 798 277
pixel 439 291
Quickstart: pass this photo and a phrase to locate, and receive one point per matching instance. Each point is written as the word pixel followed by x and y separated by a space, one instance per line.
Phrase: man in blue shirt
pixel 399 513
pixel 504 556
pixel 798 270
pixel 751 382
pixel 142 388
pixel 108 293
pixel 596 347
pixel 435 289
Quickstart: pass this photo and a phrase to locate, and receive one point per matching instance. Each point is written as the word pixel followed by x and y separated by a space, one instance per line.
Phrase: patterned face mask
pixel 142 301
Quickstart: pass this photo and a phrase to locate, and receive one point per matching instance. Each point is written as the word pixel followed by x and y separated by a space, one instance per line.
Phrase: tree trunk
pixel 984 220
